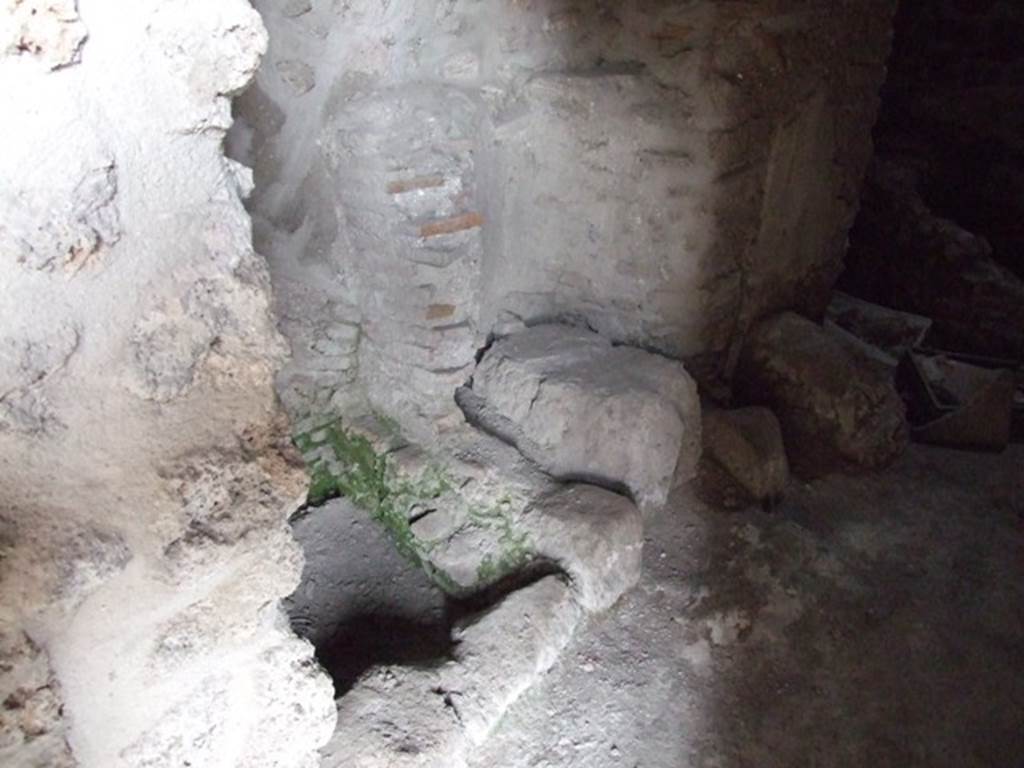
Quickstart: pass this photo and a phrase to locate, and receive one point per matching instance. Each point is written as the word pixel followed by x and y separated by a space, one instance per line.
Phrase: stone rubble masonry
pixel 145 471
pixel 667 173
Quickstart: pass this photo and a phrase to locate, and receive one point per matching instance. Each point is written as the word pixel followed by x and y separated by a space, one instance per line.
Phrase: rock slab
pixel 837 410
pixel 584 409
pixel 595 536
pixel 429 718
pixel 747 443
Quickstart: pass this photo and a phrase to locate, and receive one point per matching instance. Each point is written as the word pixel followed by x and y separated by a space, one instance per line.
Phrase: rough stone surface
pixel 352 570
pixel 396 717
pixel 431 718
pixel 501 653
pixel 145 474
pixel 584 409
pixel 595 536
pixel 86 223
pixel 28 366
pixel 32 730
pixel 665 172
pixel 837 409
pixel 51 31
pixel 747 443
pixel 297 74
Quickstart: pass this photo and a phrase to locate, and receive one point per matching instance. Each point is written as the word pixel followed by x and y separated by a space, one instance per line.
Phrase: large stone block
pixel 595 536
pixel 837 409
pixel 584 409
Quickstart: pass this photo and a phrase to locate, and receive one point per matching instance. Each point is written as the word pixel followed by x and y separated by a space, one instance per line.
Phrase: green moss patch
pixel 345 463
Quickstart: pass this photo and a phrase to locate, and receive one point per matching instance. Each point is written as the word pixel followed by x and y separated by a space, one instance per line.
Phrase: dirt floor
pixel 870 622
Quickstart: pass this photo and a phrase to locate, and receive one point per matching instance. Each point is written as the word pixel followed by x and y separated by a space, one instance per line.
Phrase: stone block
pixel 502 652
pixel 595 536
pixel 747 443
pixel 584 409
pixel 837 409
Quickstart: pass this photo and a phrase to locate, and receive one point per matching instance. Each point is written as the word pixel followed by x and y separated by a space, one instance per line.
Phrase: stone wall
pixel 431 173
pixel 145 472
pixel 428 174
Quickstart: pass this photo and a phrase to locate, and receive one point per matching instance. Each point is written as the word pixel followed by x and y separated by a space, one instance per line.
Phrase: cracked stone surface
pixel 838 409
pixel 50 31
pixel 584 409
pixel 145 471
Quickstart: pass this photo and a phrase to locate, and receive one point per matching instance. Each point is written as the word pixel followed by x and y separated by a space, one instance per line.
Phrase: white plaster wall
pixel 145 471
